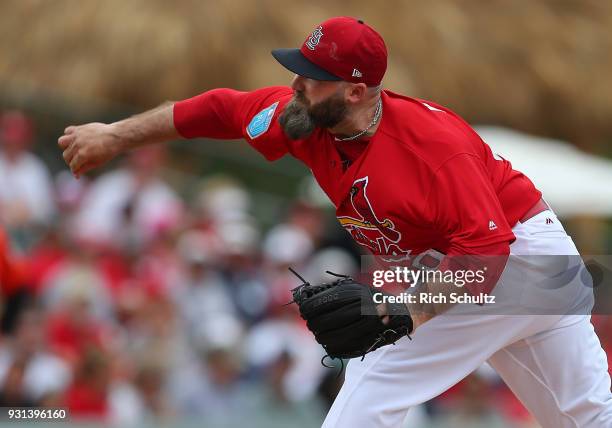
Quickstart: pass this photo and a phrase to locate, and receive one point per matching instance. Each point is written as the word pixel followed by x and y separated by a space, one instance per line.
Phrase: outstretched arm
pixel 219 113
pixel 91 145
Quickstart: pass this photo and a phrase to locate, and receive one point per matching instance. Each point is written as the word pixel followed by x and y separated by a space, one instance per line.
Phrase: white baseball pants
pixel 553 363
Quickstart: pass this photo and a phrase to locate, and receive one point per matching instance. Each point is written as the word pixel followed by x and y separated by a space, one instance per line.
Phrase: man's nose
pixel 298 83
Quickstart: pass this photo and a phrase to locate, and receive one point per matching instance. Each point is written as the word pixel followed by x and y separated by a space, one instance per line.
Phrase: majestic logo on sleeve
pixel 314 38
pixel 378 235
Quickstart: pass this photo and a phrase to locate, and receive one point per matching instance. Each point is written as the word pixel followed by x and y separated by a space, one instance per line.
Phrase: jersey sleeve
pixel 230 114
pixel 464 208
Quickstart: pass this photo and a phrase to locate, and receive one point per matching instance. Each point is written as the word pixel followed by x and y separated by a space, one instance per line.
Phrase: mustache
pixel 299 97
pixel 295 119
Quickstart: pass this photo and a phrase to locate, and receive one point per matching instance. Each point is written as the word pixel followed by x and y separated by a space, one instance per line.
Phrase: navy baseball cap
pixel 340 48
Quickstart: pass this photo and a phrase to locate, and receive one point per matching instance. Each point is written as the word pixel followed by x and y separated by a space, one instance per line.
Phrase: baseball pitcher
pixel 407 177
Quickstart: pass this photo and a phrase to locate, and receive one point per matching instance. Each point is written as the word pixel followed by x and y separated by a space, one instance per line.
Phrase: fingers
pixel 381 309
pixel 85 168
pixel 79 165
pixel 80 146
pixel 69 153
pixel 65 140
pixel 76 163
pixel 67 143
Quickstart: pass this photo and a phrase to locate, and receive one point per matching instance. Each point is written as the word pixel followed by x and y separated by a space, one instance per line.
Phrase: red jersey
pixel 424 181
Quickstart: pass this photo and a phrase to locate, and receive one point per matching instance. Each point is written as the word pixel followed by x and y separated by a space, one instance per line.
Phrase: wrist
pixel 119 138
pixel 420 319
pixel 419 315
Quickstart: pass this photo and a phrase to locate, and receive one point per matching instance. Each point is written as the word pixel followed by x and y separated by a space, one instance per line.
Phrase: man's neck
pixel 358 120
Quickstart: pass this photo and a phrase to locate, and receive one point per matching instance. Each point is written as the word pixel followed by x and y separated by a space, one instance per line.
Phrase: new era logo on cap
pixel 340 48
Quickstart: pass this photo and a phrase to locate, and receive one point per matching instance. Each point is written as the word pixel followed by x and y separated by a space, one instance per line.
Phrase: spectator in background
pixel 26 190
pixel 203 295
pixel 79 278
pixel 240 266
pixel 285 246
pixel 87 396
pixel 130 206
pixel 72 328
pixel 150 381
pixel 29 373
pixel 141 399
pixel 309 218
pixel 212 384
pixel 12 270
pixel 219 199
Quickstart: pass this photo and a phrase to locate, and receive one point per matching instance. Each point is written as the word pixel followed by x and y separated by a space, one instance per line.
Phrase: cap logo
pixel 314 38
pixel 356 73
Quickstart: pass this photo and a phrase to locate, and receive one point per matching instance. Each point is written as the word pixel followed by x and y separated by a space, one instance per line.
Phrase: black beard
pixel 299 121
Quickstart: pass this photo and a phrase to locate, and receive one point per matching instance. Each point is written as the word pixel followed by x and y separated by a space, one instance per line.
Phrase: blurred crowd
pixel 129 305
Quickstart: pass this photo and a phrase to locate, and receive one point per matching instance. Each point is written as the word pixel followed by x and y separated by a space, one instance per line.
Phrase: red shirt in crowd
pixel 12 269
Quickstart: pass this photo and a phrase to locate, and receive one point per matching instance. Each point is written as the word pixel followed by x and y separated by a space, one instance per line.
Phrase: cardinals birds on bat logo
pixel 380 236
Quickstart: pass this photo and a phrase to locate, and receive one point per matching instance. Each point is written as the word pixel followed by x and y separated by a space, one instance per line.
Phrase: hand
pixel 418 318
pixel 89 146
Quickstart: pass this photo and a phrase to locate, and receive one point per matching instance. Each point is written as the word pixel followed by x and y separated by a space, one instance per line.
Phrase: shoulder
pixel 433 133
pixel 262 96
pixel 262 107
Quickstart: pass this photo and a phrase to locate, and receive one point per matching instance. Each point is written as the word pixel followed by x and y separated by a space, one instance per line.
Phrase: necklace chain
pixel 375 119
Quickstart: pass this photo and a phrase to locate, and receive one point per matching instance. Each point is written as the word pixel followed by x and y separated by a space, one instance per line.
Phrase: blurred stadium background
pixel 151 292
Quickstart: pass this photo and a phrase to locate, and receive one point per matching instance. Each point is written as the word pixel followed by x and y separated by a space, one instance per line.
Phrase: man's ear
pixel 355 92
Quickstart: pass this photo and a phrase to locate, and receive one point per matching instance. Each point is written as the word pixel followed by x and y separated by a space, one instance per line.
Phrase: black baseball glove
pixel 334 313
